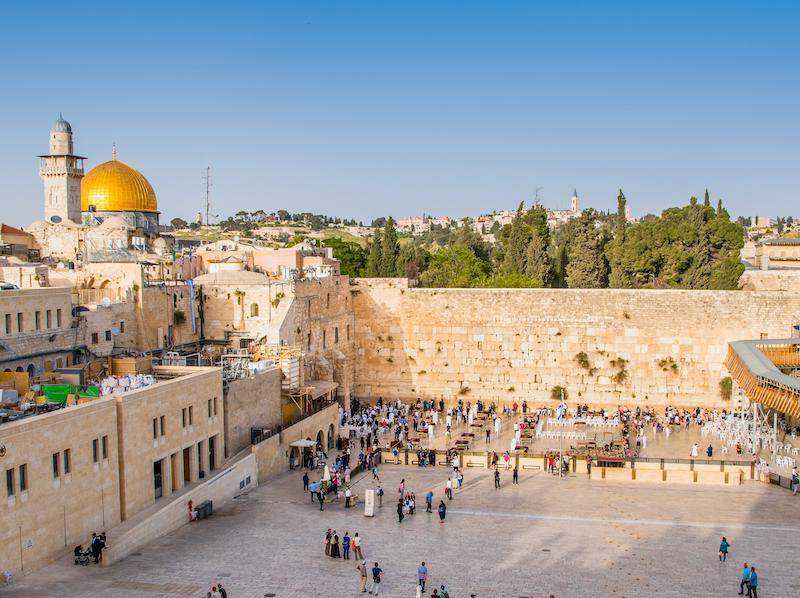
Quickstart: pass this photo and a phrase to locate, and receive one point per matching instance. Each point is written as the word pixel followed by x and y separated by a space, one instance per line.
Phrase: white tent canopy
pixel 303 443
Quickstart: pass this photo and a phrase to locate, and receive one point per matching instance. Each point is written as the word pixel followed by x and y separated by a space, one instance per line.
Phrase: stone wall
pixel 251 403
pixel 512 344
pixel 272 455
pixel 63 503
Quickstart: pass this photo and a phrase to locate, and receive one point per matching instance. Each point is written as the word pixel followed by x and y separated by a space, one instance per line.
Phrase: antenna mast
pixel 208 185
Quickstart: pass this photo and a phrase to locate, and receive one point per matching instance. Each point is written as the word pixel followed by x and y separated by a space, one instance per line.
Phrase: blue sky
pixel 362 109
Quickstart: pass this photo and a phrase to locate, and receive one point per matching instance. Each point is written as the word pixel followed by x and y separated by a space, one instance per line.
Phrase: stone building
pixel 88 467
pixel 37 330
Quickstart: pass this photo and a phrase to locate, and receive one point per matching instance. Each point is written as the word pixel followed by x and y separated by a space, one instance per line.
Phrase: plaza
pixel 570 537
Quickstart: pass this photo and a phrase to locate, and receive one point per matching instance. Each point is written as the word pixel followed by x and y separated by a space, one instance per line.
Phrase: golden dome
pixel 114 186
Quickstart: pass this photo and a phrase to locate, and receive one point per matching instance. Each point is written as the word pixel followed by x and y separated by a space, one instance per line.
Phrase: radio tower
pixel 208 184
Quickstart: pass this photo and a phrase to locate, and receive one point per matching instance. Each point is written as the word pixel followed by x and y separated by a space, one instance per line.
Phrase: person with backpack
pixel 442 511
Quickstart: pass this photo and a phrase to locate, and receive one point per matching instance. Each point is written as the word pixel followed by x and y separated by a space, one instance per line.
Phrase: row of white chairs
pixel 567 435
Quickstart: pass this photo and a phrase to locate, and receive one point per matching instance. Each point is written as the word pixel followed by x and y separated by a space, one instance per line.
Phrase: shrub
pixel 556 393
pixel 726 388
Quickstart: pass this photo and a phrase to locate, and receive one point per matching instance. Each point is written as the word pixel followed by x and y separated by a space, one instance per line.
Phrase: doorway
pixel 157 481
pixel 187 465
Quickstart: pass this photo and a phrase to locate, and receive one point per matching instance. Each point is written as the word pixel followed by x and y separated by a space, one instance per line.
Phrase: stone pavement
pixel 573 537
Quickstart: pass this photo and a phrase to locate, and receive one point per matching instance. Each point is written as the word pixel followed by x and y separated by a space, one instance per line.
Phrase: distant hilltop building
pixel 556 218
pixel 418 225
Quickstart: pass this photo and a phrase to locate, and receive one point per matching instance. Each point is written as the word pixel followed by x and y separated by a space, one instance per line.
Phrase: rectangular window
pixel 20 322
pixel 324 339
pixel 155 427
pixel 58 318
pixel 215 405
pixel 108 335
pixel 191 415
pixel 95 339
pixel 8 323
pixel 348 332
pixel 49 320
pixel 209 407
pixel 56 465
pixel 23 477
pixel 183 417
pixel 67 461
pixel 308 342
pixel 38 320
pixel 163 426
pixel 336 335
pixel 95 450
pixel 105 447
pixel 121 326
pixel 10 487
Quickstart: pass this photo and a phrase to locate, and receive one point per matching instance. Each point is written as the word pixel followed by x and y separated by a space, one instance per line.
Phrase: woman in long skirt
pixel 335 547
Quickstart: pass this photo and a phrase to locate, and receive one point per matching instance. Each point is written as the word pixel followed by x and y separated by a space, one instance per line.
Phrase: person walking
pixel 335 552
pixel 400 515
pixel 795 480
pixel 515 476
pixel 710 451
pixel 355 542
pixel 327 542
pixel 723 549
pixel 442 511
pixel 362 571
pixel 429 502
pixel 376 579
pixel 744 580
pixel 221 590
pixel 305 481
pixel 448 489
pixel 346 546
pixel 752 585
pixel 496 479
pixel 422 575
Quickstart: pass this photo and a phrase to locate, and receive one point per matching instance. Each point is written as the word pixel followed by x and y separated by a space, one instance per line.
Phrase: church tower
pixel 574 202
pixel 61 171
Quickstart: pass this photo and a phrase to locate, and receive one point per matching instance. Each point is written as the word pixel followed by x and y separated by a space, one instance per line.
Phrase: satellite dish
pixel 55 219
pixel 105 302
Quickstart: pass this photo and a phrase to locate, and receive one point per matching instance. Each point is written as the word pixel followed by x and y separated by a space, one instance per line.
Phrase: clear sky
pixel 362 109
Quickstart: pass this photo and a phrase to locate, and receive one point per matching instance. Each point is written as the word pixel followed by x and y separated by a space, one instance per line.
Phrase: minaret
pixel 61 173
pixel 574 202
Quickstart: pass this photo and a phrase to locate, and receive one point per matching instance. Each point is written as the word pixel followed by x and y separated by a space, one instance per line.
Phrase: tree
pixel 706 199
pixel 537 261
pixel 373 268
pixel 587 267
pixel 179 223
pixel 411 261
pixel 352 256
pixel 509 281
pixel 515 245
pixel 283 215
pixel 456 266
pixel 378 222
pixel 618 278
pixel 389 249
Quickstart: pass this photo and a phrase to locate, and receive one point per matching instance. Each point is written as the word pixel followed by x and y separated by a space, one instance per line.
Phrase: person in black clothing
pixel 515 476
pixel 305 481
pixel 496 478
pixel 400 515
pixel 222 591
pixel 321 498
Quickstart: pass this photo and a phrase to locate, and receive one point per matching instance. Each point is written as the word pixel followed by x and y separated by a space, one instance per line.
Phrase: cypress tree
pixel 622 217
pixel 587 267
pixel 706 200
pixel 537 262
pixel 374 257
pixel 389 249
pixel 516 245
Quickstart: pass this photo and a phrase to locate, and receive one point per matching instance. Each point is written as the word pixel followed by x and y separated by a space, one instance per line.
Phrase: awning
pixel 303 443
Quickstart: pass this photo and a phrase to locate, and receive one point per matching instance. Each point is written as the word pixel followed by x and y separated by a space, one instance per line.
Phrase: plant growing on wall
pixel 178 317
pixel 276 301
pixel 463 390
pixel 667 364
pixel 622 374
pixel 582 359
pixel 238 294
pixel 726 388
pixel 557 392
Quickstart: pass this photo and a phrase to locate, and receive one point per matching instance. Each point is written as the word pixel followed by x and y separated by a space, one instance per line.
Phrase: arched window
pixel 31 370
pixel 254 310
pixel 19 368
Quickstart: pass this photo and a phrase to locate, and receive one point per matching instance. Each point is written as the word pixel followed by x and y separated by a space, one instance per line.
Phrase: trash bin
pixel 205 509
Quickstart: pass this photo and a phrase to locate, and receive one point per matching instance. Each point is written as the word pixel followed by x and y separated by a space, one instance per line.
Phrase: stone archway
pixel 320 440
pixel 294 458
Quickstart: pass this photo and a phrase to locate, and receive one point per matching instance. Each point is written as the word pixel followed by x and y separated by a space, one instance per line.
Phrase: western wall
pixel 606 347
